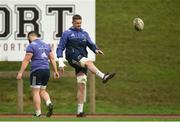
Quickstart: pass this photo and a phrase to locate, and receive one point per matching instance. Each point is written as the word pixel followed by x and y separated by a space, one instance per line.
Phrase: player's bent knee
pixel 82 79
pixel 83 61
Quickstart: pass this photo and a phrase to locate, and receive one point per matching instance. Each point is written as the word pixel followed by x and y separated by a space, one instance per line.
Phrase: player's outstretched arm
pixel 90 43
pixel 24 64
pixel 93 46
pixel 53 62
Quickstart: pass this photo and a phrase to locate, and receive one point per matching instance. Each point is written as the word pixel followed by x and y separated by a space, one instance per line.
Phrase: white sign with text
pixel 48 17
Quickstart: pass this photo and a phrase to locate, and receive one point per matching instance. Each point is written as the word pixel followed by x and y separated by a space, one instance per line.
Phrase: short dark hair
pixel 33 32
pixel 76 16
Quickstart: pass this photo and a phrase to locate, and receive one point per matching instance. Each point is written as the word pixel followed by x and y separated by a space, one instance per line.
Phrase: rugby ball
pixel 138 24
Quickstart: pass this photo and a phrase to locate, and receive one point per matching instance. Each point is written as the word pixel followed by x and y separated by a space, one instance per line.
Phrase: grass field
pixel 147 63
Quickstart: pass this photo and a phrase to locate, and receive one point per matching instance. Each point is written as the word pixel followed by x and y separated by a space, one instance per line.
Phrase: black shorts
pixel 39 78
pixel 73 60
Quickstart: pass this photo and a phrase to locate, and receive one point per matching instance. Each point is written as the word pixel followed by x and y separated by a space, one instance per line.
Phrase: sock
pixel 48 102
pixel 100 74
pixel 80 108
pixel 38 112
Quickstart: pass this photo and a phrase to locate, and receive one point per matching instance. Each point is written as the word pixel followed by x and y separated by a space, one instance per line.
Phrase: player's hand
pixel 19 76
pixel 61 71
pixel 98 51
pixel 56 75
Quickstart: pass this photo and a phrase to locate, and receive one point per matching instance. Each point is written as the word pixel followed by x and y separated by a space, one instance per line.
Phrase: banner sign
pixel 48 17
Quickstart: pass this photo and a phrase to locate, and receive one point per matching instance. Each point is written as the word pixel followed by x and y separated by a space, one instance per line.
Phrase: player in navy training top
pixel 75 40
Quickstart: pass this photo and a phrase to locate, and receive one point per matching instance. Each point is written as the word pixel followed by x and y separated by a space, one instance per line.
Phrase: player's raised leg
pixel 85 62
